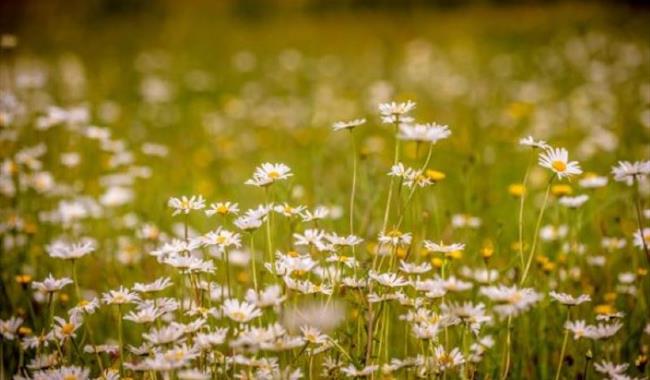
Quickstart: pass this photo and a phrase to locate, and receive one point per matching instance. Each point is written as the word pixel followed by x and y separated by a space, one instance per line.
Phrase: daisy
pixel 222 238
pixel 391 280
pixel 240 311
pixel 289 211
pixel 120 296
pixel 320 213
pixel 66 329
pixel 593 181
pixel 530 141
pixel 396 112
pixel 613 243
pixel 51 284
pixel 395 238
pixel 268 173
pixel 349 125
pixel 352 371
pixel 627 171
pixel 248 224
pixel 156 286
pixel 414 268
pixel 148 314
pixel 184 204
pixel 641 239
pixel 164 335
pixel 442 247
pixel 447 360
pixel 430 133
pixel 610 369
pixel 223 209
pixel 573 202
pixel 62 250
pixel 568 299
pixel 557 160
pixel 472 315
pixel 512 300
pixel 9 327
pixel 580 329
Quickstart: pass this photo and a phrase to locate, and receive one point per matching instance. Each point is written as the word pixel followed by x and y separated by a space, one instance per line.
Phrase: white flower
pixel 62 250
pixel 240 311
pixel 339 125
pixel 352 371
pixel 395 238
pixel 222 208
pixel 412 268
pixel 430 133
pixel 627 171
pixel 568 299
pixel 184 205
pixel 447 360
pixel 592 181
pixel 9 327
pixel 442 247
pixel 512 300
pixel 246 223
pixel 66 329
pixel 465 221
pixel 221 238
pixel 120 296
pixel 269 173
pixel 574 202
pixel 640 238
pixel 51 284
pixel 610 369
pixel 319 213
pixel 388 279
pixel 530 141
pixel 156 286
pixel 557 160
pixel 395 112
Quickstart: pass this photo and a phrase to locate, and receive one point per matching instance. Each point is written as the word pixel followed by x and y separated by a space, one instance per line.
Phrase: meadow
pixel 210 192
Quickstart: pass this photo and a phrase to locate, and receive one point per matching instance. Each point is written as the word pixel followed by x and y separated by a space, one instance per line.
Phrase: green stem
pixel 536 234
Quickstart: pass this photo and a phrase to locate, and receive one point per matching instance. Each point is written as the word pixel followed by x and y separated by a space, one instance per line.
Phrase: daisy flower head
pixel 642 238
pixel 593 181
pixel 430 132
pixel 535 144
pixel 51 284
pixel 393 112
pixel 569 300
pixel 395 238
pixel 442 247
pixel 223 209
pixel 574 202
pixel 557 160
pixel 62 250
pixel 240 311
pixel 184 205
pixel 349 125
pixel 268 173
pixel 246 223
pixel 120 296
pixel 627 171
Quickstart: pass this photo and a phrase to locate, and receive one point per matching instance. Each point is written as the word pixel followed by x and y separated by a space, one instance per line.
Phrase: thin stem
pixel 639 219
pixel 562 352
pixel 121 339
pixel 536 234
pixel 521 210
pixel 506 366
pixel 412 191
pixel 254 269
pixel 392 180
pixel 353 192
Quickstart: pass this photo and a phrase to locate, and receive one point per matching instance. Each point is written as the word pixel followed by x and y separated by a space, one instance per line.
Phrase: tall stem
pixel 521 210
pixel 536 234
pixel 353 193
pixel 412 191
pixel 562 352
pixel 254 269
pixel 392 179
pixel 121 339
pixel 506 366
pixel 637 204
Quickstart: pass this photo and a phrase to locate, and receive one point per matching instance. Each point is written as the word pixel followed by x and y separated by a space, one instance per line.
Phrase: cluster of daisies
pixel 276 292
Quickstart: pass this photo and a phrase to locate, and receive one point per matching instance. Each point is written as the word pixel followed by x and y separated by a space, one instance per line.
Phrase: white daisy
pixel 557 160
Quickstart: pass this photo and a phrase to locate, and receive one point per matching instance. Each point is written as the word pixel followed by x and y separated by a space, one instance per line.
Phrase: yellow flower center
pixel 69 377
pixel 238 316
pixel 274 175
pixel 223 210
pixel 67 329
pixel 558 165
pixel 516 297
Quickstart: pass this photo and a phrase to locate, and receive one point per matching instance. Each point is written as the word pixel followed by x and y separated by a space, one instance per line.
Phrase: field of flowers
pixel 206 193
